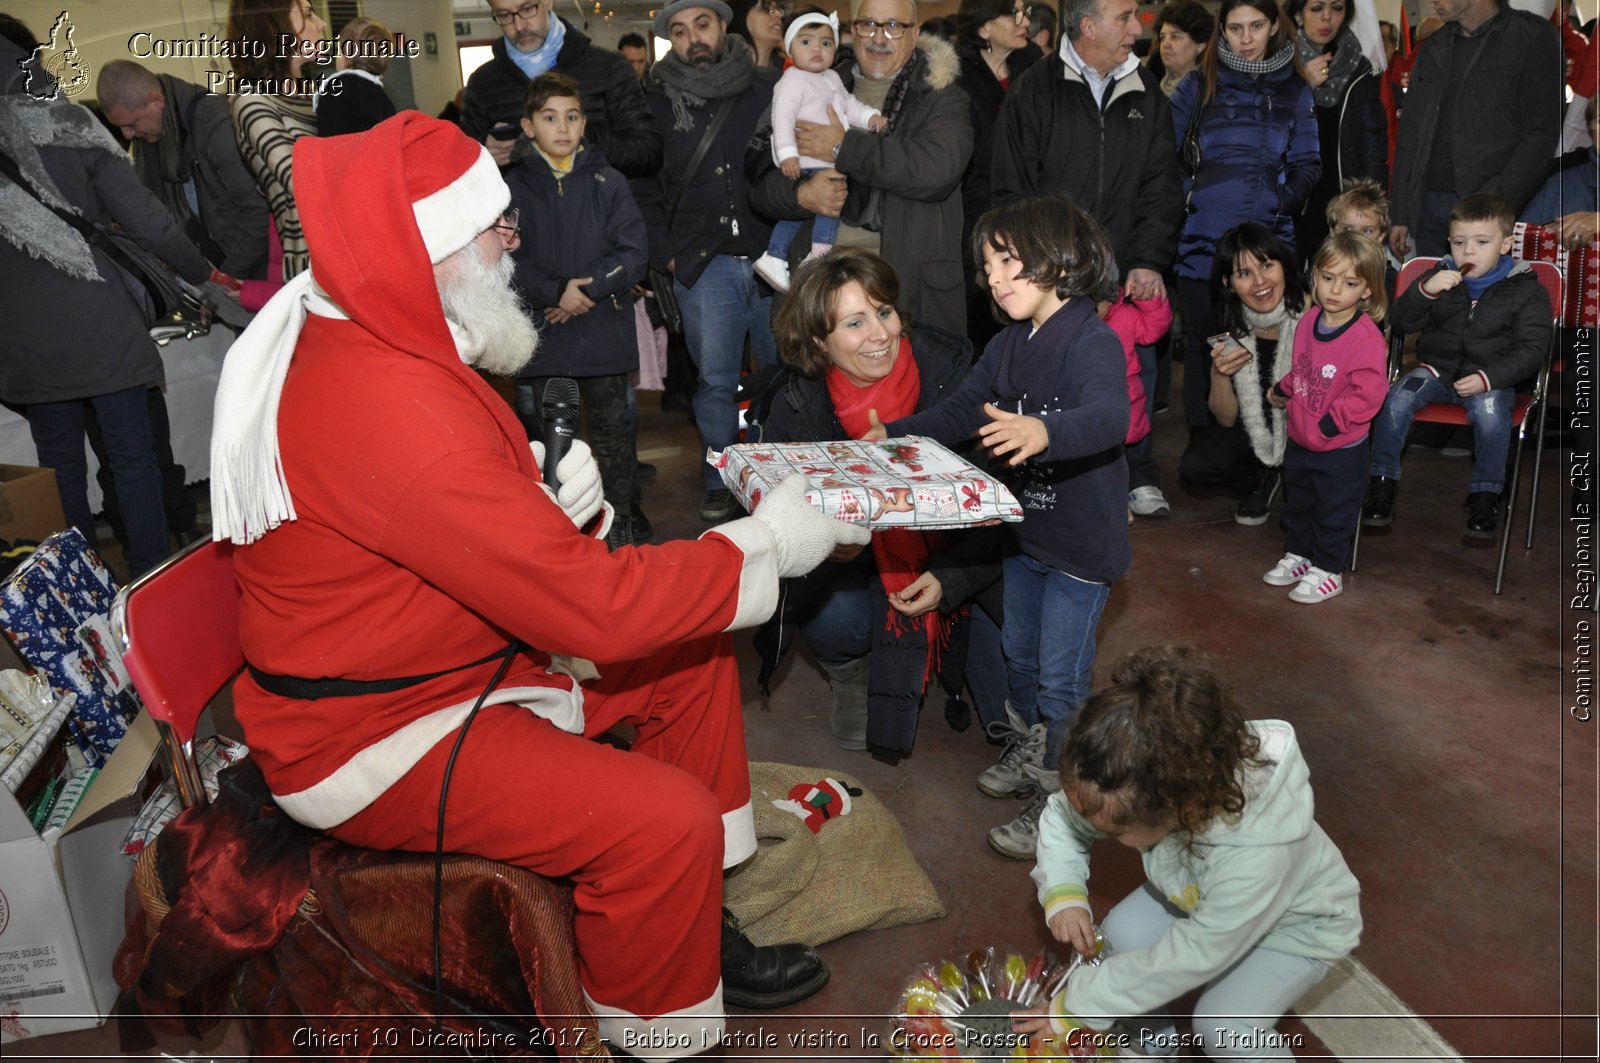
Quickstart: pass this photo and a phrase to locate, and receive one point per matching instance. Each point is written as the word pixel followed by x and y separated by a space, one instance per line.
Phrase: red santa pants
pixel 640 833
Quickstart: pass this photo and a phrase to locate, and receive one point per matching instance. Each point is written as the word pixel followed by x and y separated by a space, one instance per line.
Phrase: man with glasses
pixel 702 229
pixel 904 185
pixel 1091 122
pixel 535 40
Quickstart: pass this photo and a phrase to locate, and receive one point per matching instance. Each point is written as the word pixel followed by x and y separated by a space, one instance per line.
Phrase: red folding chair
pixel 1526 402
pixel 178 626
pixel 179 629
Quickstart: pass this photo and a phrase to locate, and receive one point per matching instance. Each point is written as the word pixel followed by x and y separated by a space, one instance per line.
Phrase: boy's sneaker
pixel 1148 501
pixel 773 270
pixel 1288 570
pixel 1317 586
pixel 1483 512
pixel 1254 507
pixel 1379 510
pixel 1024 746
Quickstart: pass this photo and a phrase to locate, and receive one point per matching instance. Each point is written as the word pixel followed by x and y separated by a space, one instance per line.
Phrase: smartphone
pixel 505 131
pixel 1226 338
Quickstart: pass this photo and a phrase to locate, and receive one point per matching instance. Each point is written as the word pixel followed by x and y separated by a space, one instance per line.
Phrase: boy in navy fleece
pixel 1052 387
pixel 1485 322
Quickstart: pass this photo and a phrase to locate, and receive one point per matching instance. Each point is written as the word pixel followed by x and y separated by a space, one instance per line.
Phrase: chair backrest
pixel 179 629
pixel 1411 272
pixel 1555 286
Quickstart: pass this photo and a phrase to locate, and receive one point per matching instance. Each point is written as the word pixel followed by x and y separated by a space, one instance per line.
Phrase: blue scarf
pixel 1476 286
pixel 543 58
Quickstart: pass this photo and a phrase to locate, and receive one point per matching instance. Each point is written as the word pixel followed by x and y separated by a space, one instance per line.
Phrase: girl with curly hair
pixel 1246 896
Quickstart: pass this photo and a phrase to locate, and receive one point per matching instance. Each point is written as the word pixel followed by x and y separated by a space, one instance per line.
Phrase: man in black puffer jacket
pixel 536 40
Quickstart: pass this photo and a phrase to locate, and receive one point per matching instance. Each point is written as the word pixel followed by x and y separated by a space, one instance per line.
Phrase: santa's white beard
pixel 487 317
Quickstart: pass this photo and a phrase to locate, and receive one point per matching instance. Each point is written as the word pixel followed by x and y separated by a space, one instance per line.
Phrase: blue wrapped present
pixel 55 609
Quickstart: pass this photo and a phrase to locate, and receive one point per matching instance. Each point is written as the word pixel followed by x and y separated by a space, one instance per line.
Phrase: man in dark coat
pixel 702 228
pixel 185 151
pixel 1483 114
pixel 1091 122
pixel 535 40
pixel 904 184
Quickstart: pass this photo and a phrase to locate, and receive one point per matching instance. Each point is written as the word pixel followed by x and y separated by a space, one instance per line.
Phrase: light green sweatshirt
pixel 1272 879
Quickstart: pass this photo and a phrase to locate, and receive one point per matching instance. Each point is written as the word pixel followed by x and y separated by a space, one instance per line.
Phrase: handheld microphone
pixel 558 413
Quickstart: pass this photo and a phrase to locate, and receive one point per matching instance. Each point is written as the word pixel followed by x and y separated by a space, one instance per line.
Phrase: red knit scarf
pixel 901 555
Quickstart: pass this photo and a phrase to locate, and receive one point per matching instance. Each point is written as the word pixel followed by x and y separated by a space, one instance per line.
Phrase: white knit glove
pixel 581 493
pixel 805 537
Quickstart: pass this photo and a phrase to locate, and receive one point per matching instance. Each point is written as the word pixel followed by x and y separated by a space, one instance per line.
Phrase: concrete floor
pixel 1433 714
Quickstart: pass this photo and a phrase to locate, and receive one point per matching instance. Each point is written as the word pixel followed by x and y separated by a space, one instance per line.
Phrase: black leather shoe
pixel 1254 507
pixel 1483 512
pixel 1379 510
pixel 768 976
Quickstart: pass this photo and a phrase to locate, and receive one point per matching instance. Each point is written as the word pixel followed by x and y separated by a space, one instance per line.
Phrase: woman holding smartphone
pixel 1259 297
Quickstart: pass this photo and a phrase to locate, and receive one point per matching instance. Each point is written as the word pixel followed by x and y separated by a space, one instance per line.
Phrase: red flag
pixel 1405 33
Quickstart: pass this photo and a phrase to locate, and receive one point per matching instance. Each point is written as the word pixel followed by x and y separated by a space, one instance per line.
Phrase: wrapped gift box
pixel 54 610
pixel 906 482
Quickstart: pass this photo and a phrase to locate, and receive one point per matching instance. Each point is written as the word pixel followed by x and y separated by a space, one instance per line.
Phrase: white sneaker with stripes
pixel 1317 586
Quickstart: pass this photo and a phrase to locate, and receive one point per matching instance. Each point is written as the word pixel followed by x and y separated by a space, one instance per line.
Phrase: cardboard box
pixel 30 505
pixel 62 898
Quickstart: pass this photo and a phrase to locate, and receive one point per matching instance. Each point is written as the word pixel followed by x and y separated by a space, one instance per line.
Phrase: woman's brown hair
pixel 1164 743
pixel 807 316
pixel 257 30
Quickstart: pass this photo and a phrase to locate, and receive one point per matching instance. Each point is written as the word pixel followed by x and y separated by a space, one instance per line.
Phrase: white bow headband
pixel 813 18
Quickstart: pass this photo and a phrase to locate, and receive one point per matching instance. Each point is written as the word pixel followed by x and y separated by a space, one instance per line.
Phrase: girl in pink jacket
pixel 1335 387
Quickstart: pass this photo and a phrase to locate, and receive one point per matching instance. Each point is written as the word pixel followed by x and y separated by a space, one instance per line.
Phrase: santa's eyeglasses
pixel 507 226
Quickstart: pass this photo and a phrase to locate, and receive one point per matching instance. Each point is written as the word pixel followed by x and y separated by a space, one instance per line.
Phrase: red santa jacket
pixel 421 545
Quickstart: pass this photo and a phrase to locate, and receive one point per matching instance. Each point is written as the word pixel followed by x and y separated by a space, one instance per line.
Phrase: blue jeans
pixel 1049 643
pixel 124 417
pixel 1142 468
pixel 1489 412
pixel 824 230
pixel 725 304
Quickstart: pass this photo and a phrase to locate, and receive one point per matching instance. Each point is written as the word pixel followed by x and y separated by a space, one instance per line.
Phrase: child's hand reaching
pixel 1034 1022
pixel 876 433
pixel 1016 434
pixel 1275 397
pixel 790 168
pixel 1072 926
pixel 877 123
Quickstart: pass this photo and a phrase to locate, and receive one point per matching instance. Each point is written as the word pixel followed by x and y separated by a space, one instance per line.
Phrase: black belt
pixel 293 686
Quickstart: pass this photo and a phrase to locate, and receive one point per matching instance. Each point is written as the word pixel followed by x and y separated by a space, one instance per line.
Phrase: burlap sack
pixel 854 874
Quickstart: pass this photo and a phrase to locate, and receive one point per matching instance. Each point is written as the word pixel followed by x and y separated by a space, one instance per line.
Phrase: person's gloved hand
pixel 805 537
pixel 581 493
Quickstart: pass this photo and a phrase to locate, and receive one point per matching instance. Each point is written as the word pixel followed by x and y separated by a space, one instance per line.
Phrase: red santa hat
pixel 372 262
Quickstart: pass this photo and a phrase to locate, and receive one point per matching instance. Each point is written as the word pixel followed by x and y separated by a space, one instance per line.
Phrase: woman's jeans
pixel 1489 412
pixel 124 417
pixel 1049 639
pixel 1237 1013
pixel 838 612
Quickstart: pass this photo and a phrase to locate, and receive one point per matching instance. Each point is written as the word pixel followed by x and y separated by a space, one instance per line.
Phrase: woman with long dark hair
pixel 1246 128
pixel 269 121
pixel 1351 125
pixel 993 47
pixel 760 23
pixel 1259 296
